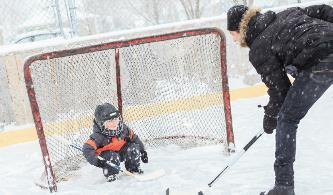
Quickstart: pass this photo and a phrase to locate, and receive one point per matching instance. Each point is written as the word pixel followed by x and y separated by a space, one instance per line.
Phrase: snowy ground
pixel 191 170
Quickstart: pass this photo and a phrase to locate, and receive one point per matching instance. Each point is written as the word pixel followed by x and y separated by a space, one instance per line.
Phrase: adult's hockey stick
pixel 237 157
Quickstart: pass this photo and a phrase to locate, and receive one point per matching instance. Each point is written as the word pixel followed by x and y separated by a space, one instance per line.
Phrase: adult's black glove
pixel 144 156
pixel 269 124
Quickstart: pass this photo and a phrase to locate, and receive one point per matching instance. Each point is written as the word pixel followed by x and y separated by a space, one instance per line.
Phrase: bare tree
pixel 156 16
pixel 281 3
pixel 244 2
pixel 149 10
pixel 192 8
pixel 154 11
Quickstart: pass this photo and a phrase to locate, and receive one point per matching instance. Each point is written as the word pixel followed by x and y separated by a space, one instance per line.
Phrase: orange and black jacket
pixel 99 142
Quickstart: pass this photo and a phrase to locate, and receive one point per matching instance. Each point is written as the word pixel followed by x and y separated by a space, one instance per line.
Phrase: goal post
pixel 170 88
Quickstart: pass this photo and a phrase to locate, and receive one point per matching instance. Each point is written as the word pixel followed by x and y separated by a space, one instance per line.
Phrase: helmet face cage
pixel 113 132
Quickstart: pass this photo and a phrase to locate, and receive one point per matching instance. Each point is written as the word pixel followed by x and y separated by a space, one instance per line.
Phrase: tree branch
pixel 140 13
pixel 184 6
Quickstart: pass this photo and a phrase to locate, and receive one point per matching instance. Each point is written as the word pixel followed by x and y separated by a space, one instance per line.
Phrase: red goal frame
pixel 114 45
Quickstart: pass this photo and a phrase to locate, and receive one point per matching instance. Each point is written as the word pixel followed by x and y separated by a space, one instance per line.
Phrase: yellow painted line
pixel 186 104
pixel 26 135
pixel 248 92
pixel 18 136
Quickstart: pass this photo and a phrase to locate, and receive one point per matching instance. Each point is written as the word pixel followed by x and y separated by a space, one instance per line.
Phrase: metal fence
pixel 27 21
pixel 32 20
pixel 24 19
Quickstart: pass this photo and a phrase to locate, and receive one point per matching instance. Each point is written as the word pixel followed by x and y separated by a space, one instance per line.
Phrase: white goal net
pixel 170 89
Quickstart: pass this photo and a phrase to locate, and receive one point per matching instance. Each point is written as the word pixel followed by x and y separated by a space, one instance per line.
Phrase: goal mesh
pixel 170 89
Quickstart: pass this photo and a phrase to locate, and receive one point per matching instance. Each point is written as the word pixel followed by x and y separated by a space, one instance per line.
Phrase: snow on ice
pixel 189 171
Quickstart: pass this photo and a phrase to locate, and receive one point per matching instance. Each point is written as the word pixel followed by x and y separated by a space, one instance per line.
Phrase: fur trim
pixel 244 24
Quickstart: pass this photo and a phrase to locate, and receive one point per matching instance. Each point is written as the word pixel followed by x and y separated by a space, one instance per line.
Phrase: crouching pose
pixel 299 37
pixel 115 142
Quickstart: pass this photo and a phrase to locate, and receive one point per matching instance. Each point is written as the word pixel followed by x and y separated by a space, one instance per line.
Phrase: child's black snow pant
pixel 129 153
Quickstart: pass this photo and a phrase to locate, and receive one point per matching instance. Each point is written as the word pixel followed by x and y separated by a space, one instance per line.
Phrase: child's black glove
pixel 108 165
pixel 144 156
pixel 269 124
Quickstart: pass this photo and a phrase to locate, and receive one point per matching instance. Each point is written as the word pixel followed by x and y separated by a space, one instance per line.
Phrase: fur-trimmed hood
pixel 252 24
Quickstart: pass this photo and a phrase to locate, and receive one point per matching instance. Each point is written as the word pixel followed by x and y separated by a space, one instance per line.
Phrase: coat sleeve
pixel 275 78
pixel 89 152
pixel 134 137
pixel 137 140
pixel 323 12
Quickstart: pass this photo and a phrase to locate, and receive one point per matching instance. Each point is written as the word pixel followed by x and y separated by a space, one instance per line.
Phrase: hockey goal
pixel 170 88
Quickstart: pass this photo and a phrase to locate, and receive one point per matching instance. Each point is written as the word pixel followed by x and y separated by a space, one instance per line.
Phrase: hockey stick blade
pixel 147 176
pixel 41 185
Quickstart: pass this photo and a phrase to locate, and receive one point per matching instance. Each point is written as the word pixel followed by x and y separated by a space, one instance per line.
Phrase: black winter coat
pixel 296 36
pixel 98 140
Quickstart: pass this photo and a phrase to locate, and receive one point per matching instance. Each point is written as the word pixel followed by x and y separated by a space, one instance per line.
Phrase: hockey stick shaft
pixel 111 164
pixel 238 156
pixel 100 158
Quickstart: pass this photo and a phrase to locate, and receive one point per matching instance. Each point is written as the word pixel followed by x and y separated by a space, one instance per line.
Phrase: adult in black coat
pixel 299 37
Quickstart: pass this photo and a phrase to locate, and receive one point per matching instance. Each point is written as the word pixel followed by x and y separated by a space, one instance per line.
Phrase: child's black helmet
pixel 105 112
